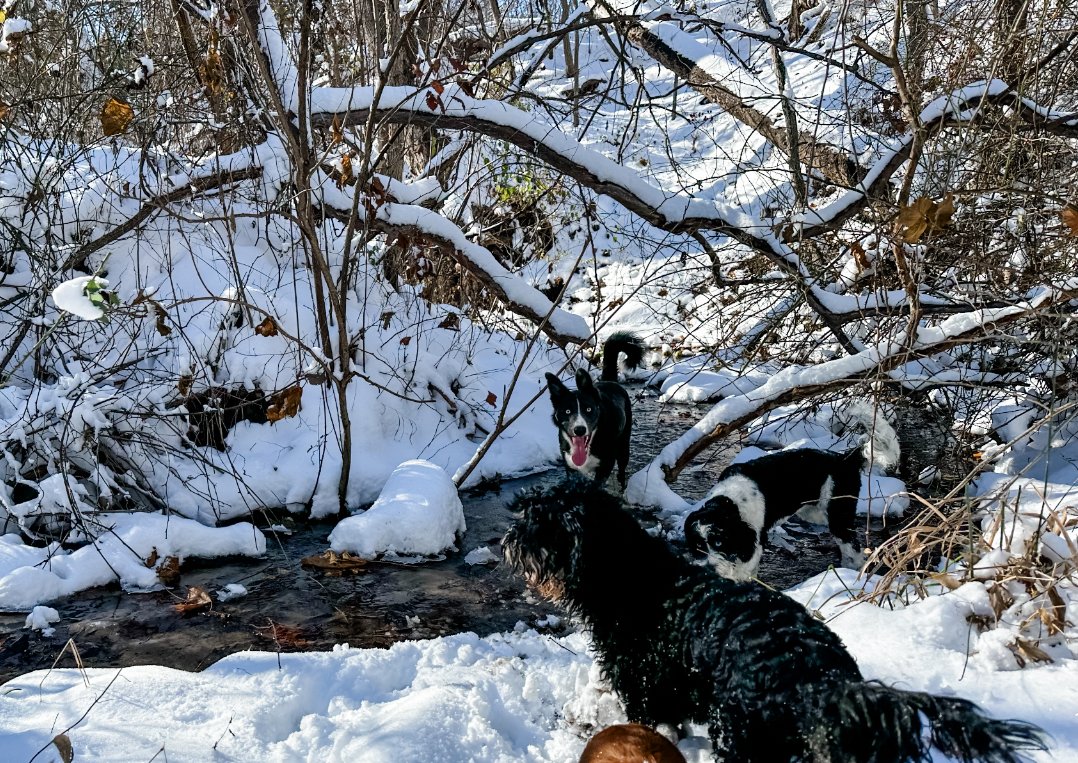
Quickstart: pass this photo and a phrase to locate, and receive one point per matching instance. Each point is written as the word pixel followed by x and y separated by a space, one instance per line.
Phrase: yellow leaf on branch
pixel 116 116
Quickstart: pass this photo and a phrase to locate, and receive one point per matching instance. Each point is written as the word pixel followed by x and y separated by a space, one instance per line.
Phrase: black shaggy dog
pixel 679 642
pixel 595 421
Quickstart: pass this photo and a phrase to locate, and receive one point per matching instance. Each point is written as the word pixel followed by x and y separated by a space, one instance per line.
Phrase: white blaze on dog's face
pixel 728 528
pixel 734 568
pixel 748 498
pixel 578 433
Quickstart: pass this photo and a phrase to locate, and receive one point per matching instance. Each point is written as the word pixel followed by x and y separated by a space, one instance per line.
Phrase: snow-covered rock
pixel 40 618
pixel 418 514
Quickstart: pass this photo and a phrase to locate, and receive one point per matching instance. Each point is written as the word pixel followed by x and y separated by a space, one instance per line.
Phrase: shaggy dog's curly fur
pixel 678 642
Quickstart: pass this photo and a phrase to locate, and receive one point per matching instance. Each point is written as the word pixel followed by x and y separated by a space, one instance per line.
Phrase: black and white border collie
pixel 820 486
pixel 594 421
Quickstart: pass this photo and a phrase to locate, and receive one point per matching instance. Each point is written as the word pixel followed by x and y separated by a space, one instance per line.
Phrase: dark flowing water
pixel 290 608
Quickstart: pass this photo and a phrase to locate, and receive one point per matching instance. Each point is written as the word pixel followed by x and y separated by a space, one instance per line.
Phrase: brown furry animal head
pixel 630 743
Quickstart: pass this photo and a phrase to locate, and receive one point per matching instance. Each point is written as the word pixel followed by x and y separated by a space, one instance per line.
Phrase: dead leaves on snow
pixel 62 743
pixel 268 327
pixel 1026 651
pixel 168 569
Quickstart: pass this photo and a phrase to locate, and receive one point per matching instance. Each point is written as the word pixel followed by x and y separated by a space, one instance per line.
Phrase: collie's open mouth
pixel 578 449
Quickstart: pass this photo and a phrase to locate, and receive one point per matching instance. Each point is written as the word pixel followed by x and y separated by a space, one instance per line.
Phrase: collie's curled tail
pixel 863 721
pixel 621 342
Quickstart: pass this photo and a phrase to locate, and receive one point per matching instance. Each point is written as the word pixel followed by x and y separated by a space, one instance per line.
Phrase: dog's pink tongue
pixel 578 450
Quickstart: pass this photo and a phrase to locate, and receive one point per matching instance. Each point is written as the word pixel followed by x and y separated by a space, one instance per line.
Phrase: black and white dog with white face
pixel 820 486
pixel 595 420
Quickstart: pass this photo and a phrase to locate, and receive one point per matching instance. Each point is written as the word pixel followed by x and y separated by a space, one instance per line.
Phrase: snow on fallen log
pixel 418 515
pixel 30 575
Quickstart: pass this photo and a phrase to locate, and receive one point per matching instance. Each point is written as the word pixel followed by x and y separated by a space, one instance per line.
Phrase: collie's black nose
pixel 580 431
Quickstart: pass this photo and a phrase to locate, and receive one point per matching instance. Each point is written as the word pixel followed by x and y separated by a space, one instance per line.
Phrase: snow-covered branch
pixel 520 298
pixel 673 212
pixel 960 106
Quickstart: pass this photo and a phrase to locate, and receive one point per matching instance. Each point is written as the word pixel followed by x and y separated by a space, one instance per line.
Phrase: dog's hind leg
pixel 842 521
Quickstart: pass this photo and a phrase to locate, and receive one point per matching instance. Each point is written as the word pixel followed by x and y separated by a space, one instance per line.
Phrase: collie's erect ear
pixel 555 387
pixel 583 379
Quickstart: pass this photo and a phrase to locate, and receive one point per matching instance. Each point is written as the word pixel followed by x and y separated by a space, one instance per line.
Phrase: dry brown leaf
pixel 451 321
pixel 406 340
pixel 924 216
pixel 1000 599
pixel 285 404
pixel 492 399
pixel 5 109
pixel 197 599
pixel 345 176
pixel 62 743
pixel 332 562
pixel 336 132
pixel 947 580
pixel 162 326
pixel 183 384
pixel 944 212
pixel 1055 617
pixel 860 256
pixel 432 102
pixel 1026 651
pixel 437 86
pixel 116 116
pixel 268 327
pixel 168 571
pixel 1069 215
pixel 913 220
pixel 151 560
pixel 212 72
pixel 787 232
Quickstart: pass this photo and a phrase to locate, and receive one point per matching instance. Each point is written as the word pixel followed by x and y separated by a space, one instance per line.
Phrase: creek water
pixel 289 607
